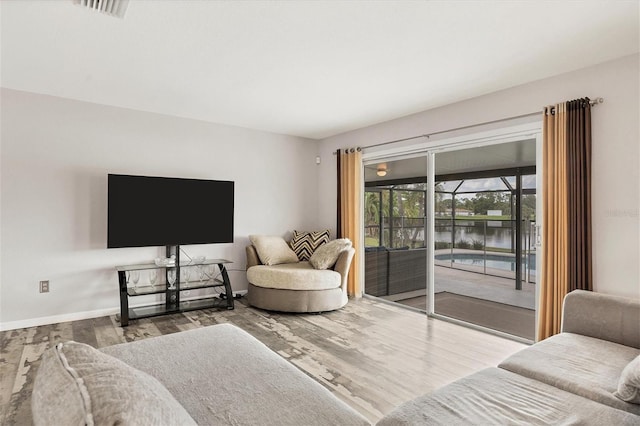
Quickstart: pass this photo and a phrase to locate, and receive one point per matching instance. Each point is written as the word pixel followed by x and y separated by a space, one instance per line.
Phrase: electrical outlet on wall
pixel 44 286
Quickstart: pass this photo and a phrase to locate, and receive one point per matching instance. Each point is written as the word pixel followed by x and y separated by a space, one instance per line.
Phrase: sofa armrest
pixel 606 317
pixel 343 264
pixel 252 256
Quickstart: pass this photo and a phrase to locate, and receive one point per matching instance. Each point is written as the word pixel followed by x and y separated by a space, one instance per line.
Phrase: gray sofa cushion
pixel 579 364
pixel 78 385
pixel 499 397
pixel 293 276
pixel 223 375
pixel 603 316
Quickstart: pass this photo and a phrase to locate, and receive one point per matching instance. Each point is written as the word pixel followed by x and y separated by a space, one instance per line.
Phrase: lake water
pixel 497 236
pixel 499 233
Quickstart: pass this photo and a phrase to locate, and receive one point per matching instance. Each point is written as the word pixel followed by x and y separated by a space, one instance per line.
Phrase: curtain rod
pixel 592 102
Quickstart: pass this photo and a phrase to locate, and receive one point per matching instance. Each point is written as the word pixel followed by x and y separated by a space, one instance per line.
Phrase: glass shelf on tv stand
pixel 183 264
pixel 140 312
pixel 143 290
pixel 173 302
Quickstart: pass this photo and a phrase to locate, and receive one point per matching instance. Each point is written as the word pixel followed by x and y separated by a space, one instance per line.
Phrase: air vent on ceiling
pixel 115 8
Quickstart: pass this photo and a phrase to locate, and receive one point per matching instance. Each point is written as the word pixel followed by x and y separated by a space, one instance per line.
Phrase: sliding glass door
pixel 449 231
pixel 484 256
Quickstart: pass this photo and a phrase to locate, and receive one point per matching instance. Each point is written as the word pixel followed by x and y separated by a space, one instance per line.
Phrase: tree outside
pixel 406 218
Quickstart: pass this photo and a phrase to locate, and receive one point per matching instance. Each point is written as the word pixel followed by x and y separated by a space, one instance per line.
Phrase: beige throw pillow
pixel 273 250
pixel 79 385
pixel 327 254
pixel 629 383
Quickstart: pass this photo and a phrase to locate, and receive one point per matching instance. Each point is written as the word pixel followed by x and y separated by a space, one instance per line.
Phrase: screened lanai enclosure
pixel 484 252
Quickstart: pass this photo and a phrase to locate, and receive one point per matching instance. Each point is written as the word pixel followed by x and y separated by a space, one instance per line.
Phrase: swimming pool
pixel 496 261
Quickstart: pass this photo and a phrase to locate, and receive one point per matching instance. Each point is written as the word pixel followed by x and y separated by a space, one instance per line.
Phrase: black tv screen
pixel 160 211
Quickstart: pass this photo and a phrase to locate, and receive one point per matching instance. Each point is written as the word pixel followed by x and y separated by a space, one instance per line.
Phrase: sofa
pixel 583 375
pixel 213 375
pixel 222 375
pixel 292 285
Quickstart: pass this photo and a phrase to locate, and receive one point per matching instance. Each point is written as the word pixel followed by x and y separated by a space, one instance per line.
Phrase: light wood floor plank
pixel 371 355
pixel 11 348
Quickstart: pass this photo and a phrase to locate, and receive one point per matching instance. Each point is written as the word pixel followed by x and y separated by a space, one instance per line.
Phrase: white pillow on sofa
pixel 273 250
pixel 327 254
pixel 629 383
pixel 79 385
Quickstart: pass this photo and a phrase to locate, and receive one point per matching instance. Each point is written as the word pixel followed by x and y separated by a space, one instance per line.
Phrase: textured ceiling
pixel 311 69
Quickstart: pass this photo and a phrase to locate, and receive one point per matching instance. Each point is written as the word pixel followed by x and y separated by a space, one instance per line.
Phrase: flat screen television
pixel 163 211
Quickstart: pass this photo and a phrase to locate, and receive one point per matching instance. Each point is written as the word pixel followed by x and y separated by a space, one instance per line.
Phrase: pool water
pixel 496 261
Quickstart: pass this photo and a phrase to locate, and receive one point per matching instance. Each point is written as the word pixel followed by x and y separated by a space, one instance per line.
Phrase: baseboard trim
pixel 75 316
pixel 54 319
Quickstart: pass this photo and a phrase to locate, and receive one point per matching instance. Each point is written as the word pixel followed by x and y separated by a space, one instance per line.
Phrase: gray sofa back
pixel 612 318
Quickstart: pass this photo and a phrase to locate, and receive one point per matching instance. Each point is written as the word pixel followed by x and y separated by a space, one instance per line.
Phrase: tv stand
pixel 174 303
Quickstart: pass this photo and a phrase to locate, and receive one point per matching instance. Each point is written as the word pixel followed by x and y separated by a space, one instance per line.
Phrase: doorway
pixel 456 240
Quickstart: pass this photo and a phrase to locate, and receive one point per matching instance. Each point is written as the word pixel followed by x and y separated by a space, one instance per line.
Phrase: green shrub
pixel 439 245
pixel 477 244
pixel 463 244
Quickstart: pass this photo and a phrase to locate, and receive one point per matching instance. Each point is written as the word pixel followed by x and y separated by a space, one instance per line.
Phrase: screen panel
pixel 159 211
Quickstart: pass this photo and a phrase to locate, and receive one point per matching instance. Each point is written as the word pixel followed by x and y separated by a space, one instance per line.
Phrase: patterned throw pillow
pixel 305 243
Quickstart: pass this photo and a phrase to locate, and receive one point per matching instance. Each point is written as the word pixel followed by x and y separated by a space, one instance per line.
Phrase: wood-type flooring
pixel 372 355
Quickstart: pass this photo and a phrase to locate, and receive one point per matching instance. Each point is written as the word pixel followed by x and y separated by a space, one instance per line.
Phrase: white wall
pixel 616 142
pixel 56 153
pixel 55 156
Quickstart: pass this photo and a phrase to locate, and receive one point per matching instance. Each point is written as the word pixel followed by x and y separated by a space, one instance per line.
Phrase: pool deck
pixel 453 280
